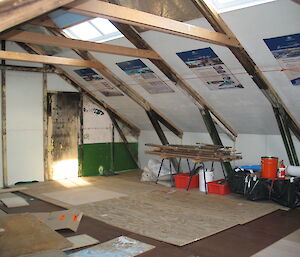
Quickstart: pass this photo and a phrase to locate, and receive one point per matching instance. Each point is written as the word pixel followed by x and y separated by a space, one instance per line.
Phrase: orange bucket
pixel 269 167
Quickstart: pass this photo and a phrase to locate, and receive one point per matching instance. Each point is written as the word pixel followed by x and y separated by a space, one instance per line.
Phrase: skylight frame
pixel 101 37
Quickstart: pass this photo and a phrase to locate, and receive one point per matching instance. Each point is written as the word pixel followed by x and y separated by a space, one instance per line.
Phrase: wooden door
pixel 63 135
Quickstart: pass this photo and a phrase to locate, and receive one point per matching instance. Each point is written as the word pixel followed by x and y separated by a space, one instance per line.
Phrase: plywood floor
pixel 174 216
pixel 241 240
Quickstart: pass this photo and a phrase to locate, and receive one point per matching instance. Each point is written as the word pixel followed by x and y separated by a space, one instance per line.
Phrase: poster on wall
pixel 144 76
pixel 206 65
pixel 99 83
pixel 286 50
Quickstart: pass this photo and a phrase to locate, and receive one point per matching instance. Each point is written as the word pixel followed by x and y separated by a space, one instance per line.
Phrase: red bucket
pixel 269 167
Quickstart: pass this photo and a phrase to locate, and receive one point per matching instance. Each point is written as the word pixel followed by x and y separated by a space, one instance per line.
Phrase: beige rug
pixel 83 195
pixel 177 217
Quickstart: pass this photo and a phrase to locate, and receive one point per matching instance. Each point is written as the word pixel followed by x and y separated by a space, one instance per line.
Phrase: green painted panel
pixel 98 157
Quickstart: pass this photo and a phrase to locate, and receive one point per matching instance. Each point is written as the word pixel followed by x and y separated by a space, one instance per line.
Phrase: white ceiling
pixel 246 109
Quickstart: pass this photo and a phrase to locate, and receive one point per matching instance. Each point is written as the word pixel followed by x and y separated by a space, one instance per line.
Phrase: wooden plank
pixel 26 68
pixel 134 17
pixel 43 39
pixel 24 234
pixel 13 189
pixel 14 56
pixel 16 12
pixel 15 201
pixel 79 241
pixel 3 121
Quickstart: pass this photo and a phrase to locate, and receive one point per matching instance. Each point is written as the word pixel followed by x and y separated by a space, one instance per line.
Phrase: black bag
pixel 236 181
pixel 257 189
pixel 286 192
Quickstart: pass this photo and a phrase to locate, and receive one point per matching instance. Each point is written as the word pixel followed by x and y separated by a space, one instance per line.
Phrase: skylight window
pixel 229 5
pixel 96 30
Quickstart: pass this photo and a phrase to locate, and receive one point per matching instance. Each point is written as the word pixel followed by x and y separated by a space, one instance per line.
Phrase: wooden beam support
pixel 286 137
pixel 214 135
pixel 15 12
pixel 3 121
pixel 27 68
pixel 47 40
pixel 122 86
pixel 65 76
pixel 199 101
pixel 134 17
pixel 15 56
pixel 45 124
pixel 123 137
pixel 161 135
pixel 249 65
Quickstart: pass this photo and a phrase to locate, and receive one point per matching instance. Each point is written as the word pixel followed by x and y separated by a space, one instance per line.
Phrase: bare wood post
pixel 81 146
pixel 3 120
pixel 45 124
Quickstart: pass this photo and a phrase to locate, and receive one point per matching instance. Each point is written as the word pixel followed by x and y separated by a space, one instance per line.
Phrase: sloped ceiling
pixel 246 109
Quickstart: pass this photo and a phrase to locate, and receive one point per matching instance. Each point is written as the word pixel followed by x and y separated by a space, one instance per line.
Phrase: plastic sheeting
pixel 180 10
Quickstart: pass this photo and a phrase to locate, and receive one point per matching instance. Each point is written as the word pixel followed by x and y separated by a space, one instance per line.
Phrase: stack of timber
pixel 197 153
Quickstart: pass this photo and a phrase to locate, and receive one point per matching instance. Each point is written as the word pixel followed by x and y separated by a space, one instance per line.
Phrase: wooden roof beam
pixel 80 87
pixel 16 56
pixel 126 15
pixel 15 12
pixel 249 65
pixel 47 40
pixel 123 87
pixel 199 101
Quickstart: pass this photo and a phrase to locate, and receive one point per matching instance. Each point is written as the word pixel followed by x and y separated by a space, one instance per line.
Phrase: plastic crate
pixel 182 181
pixel 214 188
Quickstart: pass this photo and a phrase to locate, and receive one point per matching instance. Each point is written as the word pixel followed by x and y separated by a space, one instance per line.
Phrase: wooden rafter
pixel 47 40
pixel 126 15
pixel 16 56
pixel 99 102
pixel 249 65
pixel 15 12
pixel 122 86
pixel 199 101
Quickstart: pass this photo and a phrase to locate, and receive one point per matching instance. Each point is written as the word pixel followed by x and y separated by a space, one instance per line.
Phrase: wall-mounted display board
pixel 286 50
pixel 144 76
pixel 206 65
pixel 100 84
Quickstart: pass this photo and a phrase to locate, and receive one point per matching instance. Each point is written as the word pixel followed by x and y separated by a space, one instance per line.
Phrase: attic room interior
pixel 163 128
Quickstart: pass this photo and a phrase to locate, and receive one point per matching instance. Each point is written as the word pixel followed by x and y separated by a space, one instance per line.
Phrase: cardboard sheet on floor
pixel 11 200
pixel 177 218
pixel 81 241
pixel 82 195
pixel 119 247
pixel 288 246
pixel 56 220
pixel 13 189
pixel 24 234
